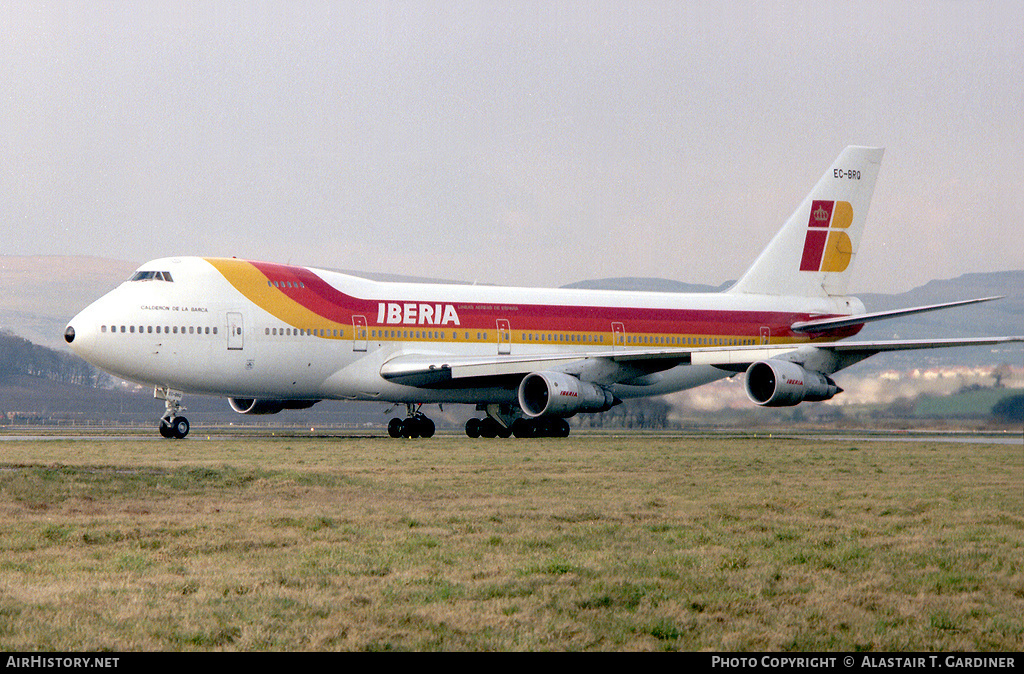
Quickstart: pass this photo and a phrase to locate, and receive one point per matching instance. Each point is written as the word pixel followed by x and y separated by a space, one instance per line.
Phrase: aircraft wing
pixel 830 357
pixel 610 367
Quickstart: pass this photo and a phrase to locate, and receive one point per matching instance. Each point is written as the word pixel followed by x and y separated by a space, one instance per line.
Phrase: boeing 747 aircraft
pixel 271 337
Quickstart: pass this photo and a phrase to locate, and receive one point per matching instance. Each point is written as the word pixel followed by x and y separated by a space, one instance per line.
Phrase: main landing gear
pixel 416 425
pixel 523 427
pixel 504 421
pixel 172 424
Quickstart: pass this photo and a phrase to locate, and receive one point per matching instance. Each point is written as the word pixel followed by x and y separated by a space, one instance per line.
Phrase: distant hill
pixel 991 319
pixel 39 295
pixel 1000 317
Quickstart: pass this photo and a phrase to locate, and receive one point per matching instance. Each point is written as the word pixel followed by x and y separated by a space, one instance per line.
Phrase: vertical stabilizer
pixel 813 253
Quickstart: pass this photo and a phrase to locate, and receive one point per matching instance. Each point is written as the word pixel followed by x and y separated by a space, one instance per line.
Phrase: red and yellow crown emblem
pixel 827 247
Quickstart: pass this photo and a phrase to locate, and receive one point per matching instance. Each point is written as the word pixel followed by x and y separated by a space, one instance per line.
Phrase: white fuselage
pixel 253 330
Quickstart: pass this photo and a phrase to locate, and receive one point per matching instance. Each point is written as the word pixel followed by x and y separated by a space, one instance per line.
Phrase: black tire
pixel 545 427
pixel 179 427
pixel 488 428
pixel 410 428
pixel 426 427
pixel 473 428
pixel 522 428
pixel 166 430
pixel 395 428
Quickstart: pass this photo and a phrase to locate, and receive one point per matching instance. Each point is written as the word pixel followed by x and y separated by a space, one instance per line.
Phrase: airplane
pixel 271 337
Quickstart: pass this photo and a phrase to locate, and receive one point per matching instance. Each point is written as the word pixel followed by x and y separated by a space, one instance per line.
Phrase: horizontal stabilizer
pixel 825 324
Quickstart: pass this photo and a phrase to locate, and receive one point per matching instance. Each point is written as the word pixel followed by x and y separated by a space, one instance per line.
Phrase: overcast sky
pixel 527 143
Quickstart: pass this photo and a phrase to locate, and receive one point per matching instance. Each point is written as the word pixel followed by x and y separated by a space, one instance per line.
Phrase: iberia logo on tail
pixel 827 247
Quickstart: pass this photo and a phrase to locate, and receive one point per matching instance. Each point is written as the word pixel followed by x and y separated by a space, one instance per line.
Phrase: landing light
pixel 69 334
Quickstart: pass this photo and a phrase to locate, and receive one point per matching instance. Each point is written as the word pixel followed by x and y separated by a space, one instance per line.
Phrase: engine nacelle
pixel 561 395
pixel 257 406
pixel 778 383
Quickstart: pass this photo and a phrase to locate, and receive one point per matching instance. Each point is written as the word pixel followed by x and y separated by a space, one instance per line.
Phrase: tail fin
pixel 813 253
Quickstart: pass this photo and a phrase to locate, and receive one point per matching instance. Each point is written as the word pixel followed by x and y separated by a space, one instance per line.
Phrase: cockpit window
pixel 152 276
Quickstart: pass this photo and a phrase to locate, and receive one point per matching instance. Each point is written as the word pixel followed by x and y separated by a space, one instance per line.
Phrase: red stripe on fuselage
pixel 320 297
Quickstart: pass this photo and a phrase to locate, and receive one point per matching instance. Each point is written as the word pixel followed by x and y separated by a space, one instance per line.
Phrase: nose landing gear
pixel 172 424
pixel 174 428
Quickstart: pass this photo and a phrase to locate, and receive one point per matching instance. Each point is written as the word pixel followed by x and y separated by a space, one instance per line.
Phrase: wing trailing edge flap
pixel 448 371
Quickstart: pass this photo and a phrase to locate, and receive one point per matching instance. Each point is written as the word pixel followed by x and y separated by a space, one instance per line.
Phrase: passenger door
pixel 359 333
pixel 236 331
pixel 618 336
pixel 504 337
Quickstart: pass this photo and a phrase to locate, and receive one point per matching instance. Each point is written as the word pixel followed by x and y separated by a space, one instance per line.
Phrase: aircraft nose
pixel 79 334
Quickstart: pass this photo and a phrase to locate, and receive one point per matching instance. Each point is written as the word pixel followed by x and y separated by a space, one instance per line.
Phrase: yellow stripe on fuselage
pixel 253 284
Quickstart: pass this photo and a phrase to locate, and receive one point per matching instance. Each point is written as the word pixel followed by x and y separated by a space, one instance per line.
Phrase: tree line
pixel 18 356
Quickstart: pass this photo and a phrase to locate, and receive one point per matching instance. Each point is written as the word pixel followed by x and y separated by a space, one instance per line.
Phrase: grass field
pixel 590 543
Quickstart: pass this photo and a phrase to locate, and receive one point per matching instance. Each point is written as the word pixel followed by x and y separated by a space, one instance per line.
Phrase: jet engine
pixel 778 383
pixel 256 406
pixel 561 395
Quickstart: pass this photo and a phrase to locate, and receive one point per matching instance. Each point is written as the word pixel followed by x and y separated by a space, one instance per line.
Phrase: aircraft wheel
pixel 543 427
pixel 504 431
pixel 563 428
pixel 410 429
pixel 473 428
pixel 165 429
pixel 522 428
pixel 425 426
pixel 395 428
pixel 488 428
pixel 179 427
